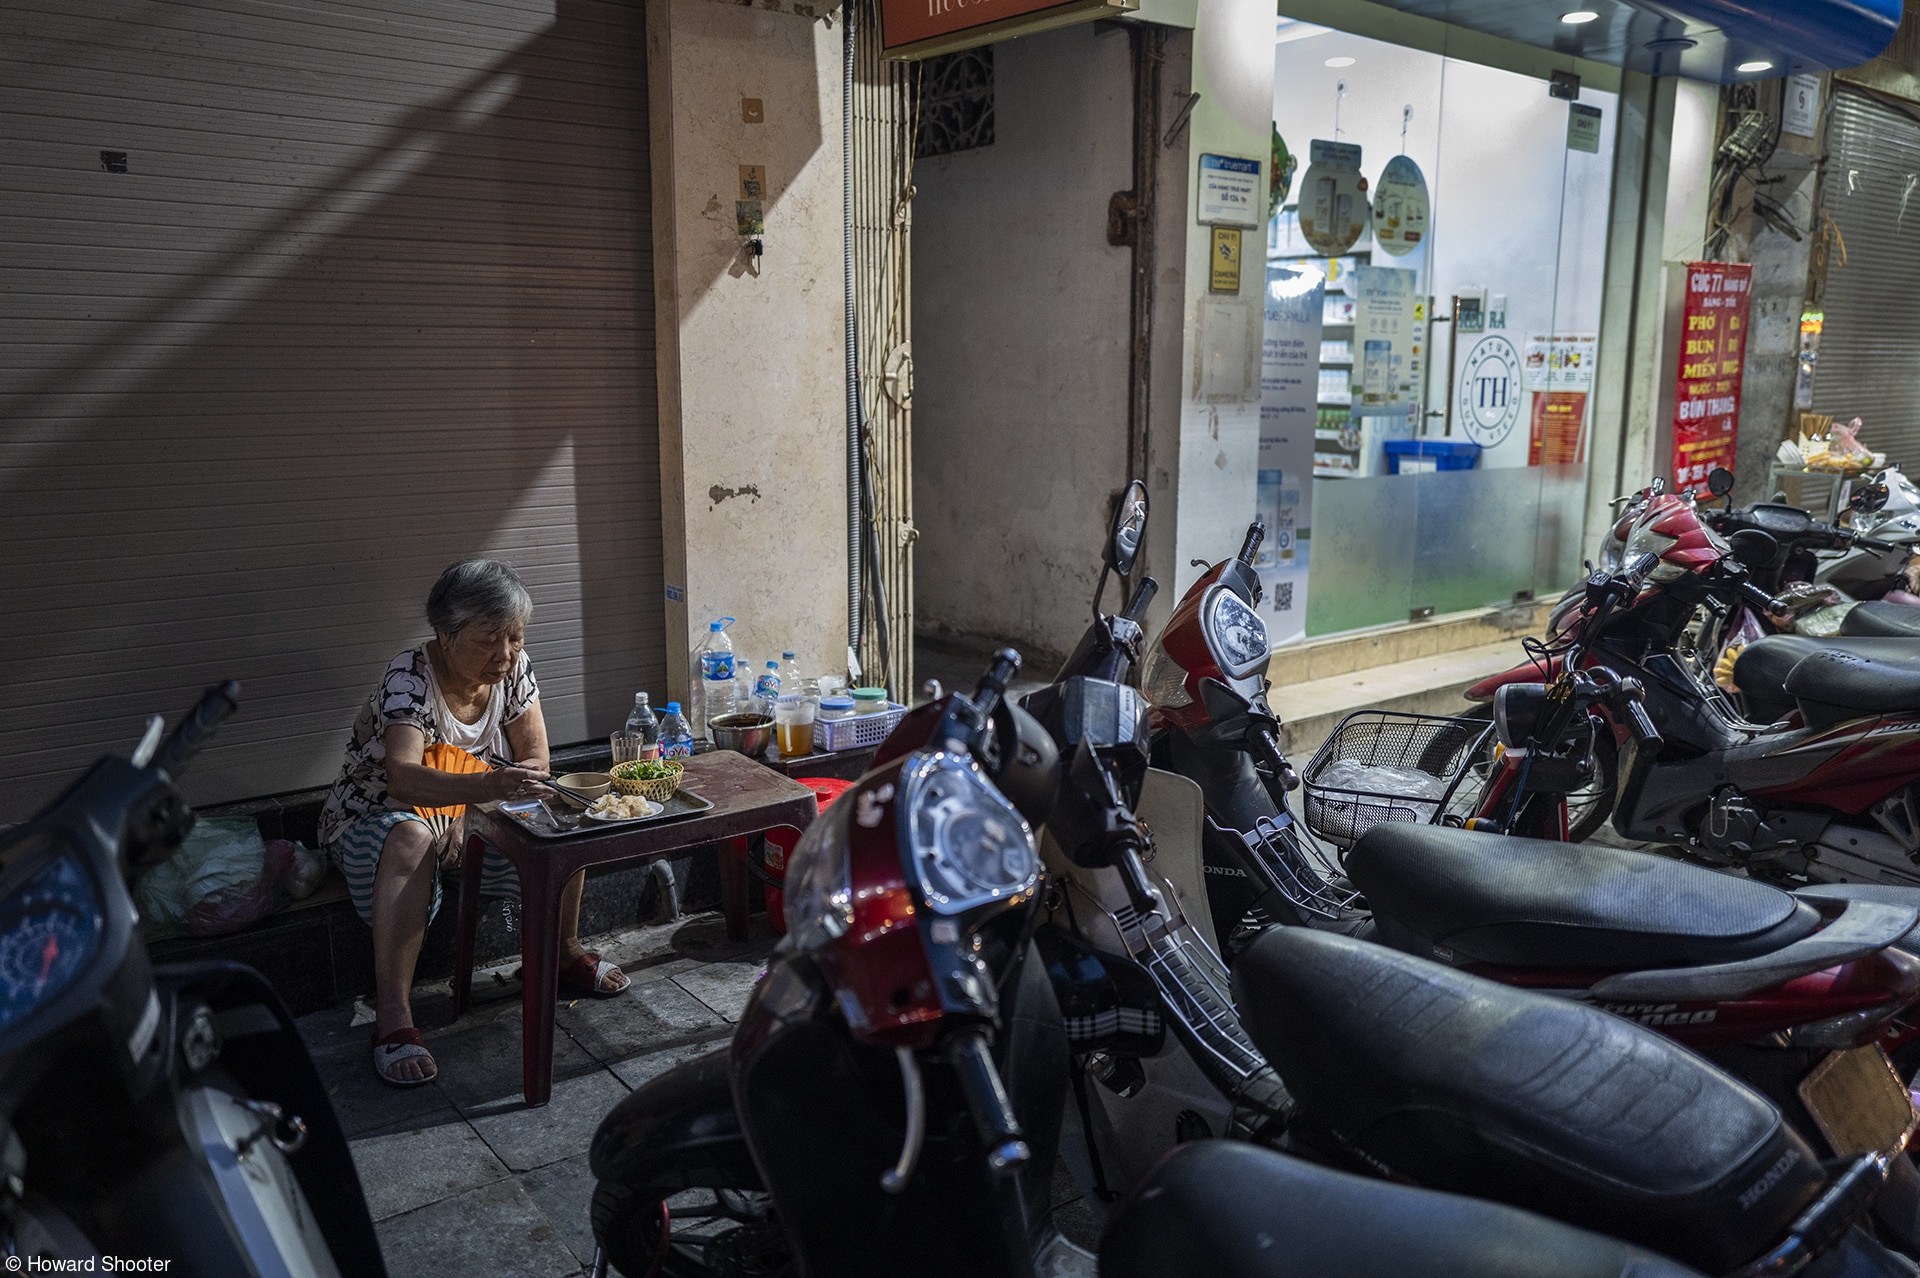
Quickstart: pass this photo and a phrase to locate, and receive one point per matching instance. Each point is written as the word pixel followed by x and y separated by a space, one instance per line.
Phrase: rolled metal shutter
pixel 1870 349
pixel 298 304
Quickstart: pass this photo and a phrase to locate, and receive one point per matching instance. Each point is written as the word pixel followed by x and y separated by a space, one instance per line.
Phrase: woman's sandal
pixel 404 1044
pixel 584 974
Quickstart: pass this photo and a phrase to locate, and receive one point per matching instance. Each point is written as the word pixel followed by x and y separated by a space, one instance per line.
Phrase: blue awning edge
pixel 1717 41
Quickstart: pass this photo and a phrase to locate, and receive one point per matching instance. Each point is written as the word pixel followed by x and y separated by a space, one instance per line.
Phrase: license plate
pixel 1857 1102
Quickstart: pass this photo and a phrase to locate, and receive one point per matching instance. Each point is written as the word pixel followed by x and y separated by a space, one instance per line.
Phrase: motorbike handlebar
pixel 1256 533
pixel 1760 599
pixel 1874 544
pixel 972 1062
pixel 1267 750
pixel 215 705
pixel 1137 606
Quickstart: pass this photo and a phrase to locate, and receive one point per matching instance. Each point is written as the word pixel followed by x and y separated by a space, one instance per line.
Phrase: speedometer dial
pixel 49 929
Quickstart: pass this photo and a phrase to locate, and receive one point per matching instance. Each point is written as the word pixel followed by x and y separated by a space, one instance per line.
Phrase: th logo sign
pixel 1488 395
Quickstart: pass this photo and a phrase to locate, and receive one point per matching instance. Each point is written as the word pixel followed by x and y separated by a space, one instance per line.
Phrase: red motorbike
pixel 1825 794
pixel 1778 986
pixel 893 1094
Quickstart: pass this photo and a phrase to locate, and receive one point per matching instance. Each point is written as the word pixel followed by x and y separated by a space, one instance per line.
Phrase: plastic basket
pixel 658 791
pixel 1418 456
pixel 859 732
pixel 1435 746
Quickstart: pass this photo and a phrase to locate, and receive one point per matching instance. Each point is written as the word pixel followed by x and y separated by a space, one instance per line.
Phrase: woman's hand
pixel 515 783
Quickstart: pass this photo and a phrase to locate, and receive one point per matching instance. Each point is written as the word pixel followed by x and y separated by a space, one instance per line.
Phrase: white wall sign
pixel 1800 115
pixel 1562 362
pixel 1488 402
pixel 1400 207
pixel 1583 127
pixel 1386 341
pixel 1289 385
pixel 1333 198
pixel 1230 193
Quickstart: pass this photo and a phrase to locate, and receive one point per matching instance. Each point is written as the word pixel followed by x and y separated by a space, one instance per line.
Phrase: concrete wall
pixel 752 406
pixel 1020 347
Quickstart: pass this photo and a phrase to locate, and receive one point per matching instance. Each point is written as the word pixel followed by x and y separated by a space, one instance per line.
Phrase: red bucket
pixel 781 842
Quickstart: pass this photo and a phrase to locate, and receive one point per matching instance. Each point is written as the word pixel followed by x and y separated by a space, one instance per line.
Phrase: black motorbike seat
pixel 1544 1103
pixel 1836 685
pixel 1224 1209
pixel 1467 897
pixel 1879 618
pixel 1761 669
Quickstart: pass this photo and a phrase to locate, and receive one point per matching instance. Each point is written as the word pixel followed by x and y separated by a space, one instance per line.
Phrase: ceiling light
pixel 1579 16
pixel 1347 62
pixel 1748 68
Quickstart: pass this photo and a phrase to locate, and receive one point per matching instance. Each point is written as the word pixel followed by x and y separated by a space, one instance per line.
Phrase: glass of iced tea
pixel 793 724
pixel 627 746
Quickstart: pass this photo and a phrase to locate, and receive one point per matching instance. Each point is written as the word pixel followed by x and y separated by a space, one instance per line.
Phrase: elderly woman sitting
pixel 470 688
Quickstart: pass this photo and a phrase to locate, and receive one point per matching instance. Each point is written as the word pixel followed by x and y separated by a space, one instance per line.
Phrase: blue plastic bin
pixel 1430 455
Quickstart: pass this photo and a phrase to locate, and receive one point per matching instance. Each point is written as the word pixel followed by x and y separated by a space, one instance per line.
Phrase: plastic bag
pixel 224 878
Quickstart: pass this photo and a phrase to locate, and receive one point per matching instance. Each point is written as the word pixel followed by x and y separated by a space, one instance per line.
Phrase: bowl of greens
pixel 655 779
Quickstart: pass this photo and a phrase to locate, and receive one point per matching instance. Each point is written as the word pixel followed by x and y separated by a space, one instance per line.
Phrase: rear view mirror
pixel 1868 497
pixel 1754 548
pixel 1719 481
pixel 1129 527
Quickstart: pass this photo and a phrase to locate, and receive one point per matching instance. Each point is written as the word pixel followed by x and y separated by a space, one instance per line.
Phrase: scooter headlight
pixel 1235 634
pixel 820 881
pixel 970 846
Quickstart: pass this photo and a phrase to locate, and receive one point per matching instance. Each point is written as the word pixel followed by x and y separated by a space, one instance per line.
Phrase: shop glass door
pixel 1452 217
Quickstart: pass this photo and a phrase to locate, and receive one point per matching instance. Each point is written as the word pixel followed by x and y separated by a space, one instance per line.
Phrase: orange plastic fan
pixel 447 758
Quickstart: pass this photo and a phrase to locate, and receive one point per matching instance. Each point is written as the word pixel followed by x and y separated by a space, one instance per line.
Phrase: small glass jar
pixel 869 700
pixel 835 708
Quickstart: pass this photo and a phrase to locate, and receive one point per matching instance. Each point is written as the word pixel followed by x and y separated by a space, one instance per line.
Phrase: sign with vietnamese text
pixel 1289 394
pixel 1558 428
pixel 1230 193
pixel 1713 343
pixel 918 28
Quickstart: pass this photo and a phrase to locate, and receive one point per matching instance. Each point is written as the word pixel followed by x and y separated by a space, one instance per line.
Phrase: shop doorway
pixel 1435 269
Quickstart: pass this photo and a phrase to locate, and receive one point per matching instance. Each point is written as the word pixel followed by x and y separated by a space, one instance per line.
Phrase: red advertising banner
pixel 911 26
pixel 1706 401
pixel 1559 421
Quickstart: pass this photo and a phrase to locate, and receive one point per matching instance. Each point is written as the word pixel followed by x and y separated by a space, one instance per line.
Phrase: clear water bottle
pixel 767 687
pixel 789 673
pixel 676 737
pixel 713 675
pixel 641 723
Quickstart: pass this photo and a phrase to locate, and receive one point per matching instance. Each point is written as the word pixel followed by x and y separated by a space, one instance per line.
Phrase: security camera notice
pixel 89 1265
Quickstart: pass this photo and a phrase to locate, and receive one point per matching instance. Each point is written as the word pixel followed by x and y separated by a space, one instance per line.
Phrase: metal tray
pixel 682 805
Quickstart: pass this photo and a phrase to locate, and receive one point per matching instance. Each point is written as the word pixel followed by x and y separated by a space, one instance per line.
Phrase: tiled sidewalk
pixel 461 1177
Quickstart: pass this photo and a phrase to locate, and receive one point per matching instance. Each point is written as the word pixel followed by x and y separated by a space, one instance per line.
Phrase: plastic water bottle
pixel 642 724
pixel 713 693
pixel 789 673
pixel 767 687
pixel 676 737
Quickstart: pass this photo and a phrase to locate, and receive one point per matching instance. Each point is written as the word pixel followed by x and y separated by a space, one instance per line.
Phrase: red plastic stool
pixel 780 844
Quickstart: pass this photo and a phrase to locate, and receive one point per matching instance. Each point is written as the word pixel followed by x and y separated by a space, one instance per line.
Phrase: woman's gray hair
pixel 477 590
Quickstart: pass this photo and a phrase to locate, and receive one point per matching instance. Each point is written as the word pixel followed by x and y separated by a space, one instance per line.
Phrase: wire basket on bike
pixel 1381 765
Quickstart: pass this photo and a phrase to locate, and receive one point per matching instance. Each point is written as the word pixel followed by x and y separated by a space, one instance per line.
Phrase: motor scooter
pixel 1722 964
pixel 896 1082
pixel 152 1118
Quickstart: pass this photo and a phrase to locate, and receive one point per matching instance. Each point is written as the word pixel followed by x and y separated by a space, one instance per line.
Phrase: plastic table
pixel 747 799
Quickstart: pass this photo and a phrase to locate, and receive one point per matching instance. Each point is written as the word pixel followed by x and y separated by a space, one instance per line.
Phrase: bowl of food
pixel 654 779
pixel 747 733
pixel 588 785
